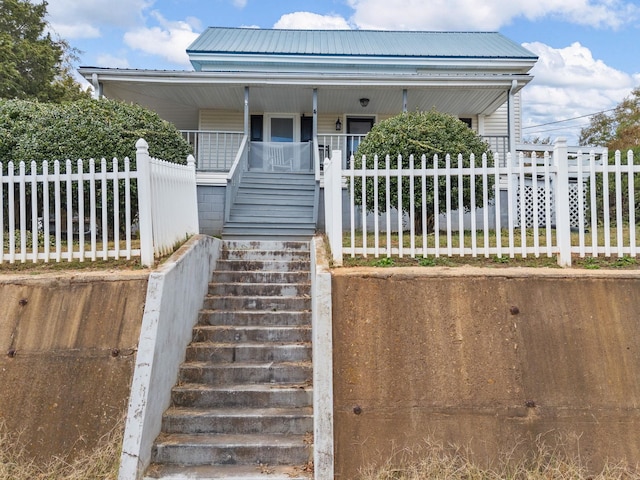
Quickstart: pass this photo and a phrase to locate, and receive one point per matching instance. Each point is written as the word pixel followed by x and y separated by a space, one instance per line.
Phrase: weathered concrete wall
pixel 67 349
pixel 486 359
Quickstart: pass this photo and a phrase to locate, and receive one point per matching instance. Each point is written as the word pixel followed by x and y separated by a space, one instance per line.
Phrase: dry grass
pixel 433 460
pixel 100 464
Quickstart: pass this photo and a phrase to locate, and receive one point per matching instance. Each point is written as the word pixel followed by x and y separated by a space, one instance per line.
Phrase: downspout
pixel 511 118
pixel 97 87
pixel 404 100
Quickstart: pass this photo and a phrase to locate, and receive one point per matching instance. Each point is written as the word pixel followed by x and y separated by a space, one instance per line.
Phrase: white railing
pixel 86 210
pixel 214 151
pixel 547 205
pixel 234 177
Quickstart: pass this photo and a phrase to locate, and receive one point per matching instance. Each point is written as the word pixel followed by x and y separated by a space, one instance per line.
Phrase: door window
pixel 281 129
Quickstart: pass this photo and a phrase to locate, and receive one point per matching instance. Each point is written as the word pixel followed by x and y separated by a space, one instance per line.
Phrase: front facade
pixel 285 99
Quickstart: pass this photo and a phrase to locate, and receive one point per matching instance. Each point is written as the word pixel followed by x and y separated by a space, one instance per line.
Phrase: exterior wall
pixel 68 343
pixel 486 359
pixel 211 200
pixel 222 120
pixel 497 122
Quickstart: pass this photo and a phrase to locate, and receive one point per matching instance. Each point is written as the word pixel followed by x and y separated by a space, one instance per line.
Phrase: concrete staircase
pixel 242 408
pixel 273 205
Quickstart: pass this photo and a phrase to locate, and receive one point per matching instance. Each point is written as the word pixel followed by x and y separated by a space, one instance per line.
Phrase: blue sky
pixel 588 48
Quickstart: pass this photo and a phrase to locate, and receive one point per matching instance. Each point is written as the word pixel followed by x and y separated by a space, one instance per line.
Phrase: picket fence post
pixel 144 202
pixel 561 201
pixel 333 204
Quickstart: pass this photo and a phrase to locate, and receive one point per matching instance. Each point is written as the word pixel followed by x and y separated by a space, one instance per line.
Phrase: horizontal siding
pixel 221 120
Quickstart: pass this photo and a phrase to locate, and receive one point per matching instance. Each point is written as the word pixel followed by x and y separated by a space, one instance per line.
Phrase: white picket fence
pixel 529 205
pixel 54 212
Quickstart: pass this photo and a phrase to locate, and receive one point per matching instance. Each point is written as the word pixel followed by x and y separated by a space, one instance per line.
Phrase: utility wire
pixel 569 119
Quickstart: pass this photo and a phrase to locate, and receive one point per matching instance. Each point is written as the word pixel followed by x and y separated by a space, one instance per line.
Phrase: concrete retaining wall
pixel 174 298
pixel 67 350
pixel 485 358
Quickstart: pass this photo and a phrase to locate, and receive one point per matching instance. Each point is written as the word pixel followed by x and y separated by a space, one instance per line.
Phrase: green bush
pixel 422 133
pixel 84 129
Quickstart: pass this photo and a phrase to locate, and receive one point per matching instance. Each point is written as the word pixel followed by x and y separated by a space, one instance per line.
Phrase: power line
pixel 569 119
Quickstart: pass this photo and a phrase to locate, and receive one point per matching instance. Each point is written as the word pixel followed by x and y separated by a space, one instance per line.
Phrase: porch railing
pixel 550 205
pixel 214 151
pixel 238 168
pixel 87 210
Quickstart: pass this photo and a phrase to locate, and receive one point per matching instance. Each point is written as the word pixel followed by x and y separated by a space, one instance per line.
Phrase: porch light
pixel 338 125
pixel 364 102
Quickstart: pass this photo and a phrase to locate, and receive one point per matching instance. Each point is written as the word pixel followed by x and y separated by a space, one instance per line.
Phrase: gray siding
pixel 211 209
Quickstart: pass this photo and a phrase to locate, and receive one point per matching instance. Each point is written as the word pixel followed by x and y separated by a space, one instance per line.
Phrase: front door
pixel 357 129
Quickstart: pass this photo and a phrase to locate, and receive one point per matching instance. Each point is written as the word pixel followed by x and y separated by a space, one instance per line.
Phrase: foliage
pixel 33 64
pixel 618 130
pixel 84 129
pixel 421 133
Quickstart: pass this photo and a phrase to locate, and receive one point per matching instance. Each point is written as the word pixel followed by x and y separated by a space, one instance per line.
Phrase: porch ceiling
pixel 179 102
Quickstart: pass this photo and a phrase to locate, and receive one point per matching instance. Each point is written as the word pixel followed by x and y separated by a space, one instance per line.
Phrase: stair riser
pixel 255 318
pixel 286 353
pixel 273 245
pixel 260 290
pixel 231 334
pixel 241 398
pixel 264 255
pixel 237 425
pixel 228 376
pixel 260 266
pixel 260 277
pixel 270 304
pixel 210 455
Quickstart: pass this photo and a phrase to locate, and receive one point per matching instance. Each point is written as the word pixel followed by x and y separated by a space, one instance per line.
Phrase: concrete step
pixel 242 395
pixel 228 472
pixel 278 421
pixel 245 372
pixel 249 254
pixel 257 333
pixel 240 276
pixel 186 449
pixel 260 289
pixel 269 303
pixel 263 265
pixel 252 318
pixel 247 352
pixel 272 246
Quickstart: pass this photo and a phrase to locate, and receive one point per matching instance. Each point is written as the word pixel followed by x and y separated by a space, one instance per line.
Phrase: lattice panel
pixel 574 206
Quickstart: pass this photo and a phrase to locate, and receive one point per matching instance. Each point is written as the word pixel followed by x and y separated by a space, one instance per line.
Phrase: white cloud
pixel 240 3
pixel 112 61
pixel 169 39
pixel 309 20
pixel 83 19
pixel 568 82
pixel 488 15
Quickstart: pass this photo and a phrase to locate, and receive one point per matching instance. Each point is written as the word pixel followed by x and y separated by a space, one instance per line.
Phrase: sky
pixel 588 49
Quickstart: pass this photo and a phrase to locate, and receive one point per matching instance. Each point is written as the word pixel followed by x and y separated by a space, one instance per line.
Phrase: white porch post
pixel 314 132
pixel 333 204
pixel 246 111
pixel 144 203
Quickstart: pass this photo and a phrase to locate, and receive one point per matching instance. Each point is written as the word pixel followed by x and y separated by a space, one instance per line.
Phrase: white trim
pixel 211 178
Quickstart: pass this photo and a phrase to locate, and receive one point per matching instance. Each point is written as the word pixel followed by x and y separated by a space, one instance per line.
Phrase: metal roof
pixel 360 43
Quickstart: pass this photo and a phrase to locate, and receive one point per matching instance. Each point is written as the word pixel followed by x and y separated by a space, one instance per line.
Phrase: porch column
pixel 511 118
pixel 246 111
pixel 314 132
pixel 404 100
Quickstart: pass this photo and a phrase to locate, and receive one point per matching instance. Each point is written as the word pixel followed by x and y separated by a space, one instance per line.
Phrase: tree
pixel 422 133
pixel 618 130
pixel 33 64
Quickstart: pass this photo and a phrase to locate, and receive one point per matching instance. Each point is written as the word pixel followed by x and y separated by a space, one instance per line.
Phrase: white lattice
pixel 574 205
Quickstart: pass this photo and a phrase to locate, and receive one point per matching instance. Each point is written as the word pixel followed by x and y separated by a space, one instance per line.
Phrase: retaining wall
pixel 486 359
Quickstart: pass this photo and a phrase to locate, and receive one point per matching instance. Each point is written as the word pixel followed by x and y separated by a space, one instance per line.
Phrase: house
pixel 262 107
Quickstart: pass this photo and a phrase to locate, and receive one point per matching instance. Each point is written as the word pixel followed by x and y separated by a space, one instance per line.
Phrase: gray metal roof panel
pixel 358 43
